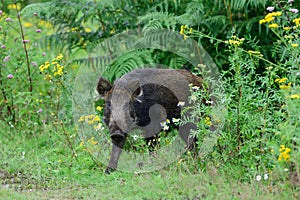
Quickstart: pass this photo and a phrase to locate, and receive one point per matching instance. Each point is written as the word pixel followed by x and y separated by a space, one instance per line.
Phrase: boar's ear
pixel 137 95
pixel 103 86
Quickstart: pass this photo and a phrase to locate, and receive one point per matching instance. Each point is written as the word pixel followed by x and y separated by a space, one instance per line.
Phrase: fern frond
pixel 159 19
pixel 128 62
pixel 42 8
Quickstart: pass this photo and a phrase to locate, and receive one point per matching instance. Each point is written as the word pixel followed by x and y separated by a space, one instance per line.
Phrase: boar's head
pixel 144 107
pixel 105 89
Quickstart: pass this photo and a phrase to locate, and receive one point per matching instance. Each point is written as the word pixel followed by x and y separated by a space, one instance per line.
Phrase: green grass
pixel 48 171
pixel 164 185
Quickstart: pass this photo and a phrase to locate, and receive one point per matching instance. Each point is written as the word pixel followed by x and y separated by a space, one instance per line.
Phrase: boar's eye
pixel 108 105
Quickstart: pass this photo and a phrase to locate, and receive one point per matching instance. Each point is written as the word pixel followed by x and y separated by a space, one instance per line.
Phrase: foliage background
pixel 259 66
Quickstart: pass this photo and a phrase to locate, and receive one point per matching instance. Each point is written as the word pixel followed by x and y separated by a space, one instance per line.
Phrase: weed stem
pixel 25 47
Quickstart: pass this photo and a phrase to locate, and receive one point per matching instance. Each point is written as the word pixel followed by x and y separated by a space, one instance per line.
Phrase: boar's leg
pixel 115 155
pixel 185 133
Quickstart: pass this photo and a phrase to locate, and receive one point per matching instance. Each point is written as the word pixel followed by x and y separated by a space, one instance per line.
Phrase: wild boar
pixel 143 99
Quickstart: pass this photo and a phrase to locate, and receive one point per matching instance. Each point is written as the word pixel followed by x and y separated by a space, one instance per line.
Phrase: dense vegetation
pixel 47 48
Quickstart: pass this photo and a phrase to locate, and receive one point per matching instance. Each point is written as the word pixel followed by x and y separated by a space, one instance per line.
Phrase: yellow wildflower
pixel 269 68
pixel 262 21
pixel 43 23
pixel 47 64
pixel 81 119
pixel 112 31
pixel 81 143
pixel 58 70
pixel 27 24
pixel 284 153
pixel 182 31
pixel 297 21
pixel 92 141
pixel 295 96
pixel 96 118
pixel 99 108
pixel 207 121
pixel 281 80
pixel 286 28
pixel 281 148
pixel 74 29
pixel 294 45
pixel 98 127
pixel 48 77
pixel 257 53
pixel 167 141
pixel 87 30
pixel 180 162
pixel 274 25
pixel 288 37
pixel 14 6
pixel 283 87
pixel 42 68
pixel 270 17
pixel 234 41
pixel 59 57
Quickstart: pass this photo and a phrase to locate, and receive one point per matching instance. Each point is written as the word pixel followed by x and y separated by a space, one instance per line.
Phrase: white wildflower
pixel 193 98
pixel 166 127
pixel 258 178
pixel 175 120
pixel 163 124
pixel 23 155
pixel 181 103
pixel 195 88
pixel 135 137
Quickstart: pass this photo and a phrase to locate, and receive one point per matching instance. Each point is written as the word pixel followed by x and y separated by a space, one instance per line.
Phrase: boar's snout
pixel 117 136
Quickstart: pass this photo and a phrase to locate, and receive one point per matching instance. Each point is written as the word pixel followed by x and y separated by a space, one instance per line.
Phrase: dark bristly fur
pixel 151 87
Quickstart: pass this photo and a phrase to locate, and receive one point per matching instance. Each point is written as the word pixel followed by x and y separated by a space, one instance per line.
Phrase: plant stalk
pixel 25 48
